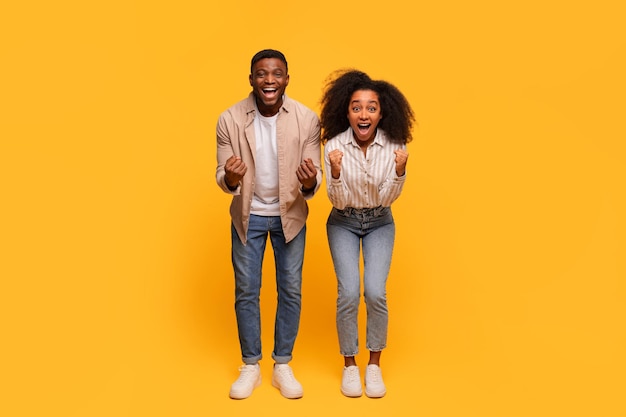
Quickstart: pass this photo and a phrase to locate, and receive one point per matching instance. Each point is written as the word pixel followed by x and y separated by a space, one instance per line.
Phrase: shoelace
pixel 373 375
pixel 286 372
pixel 246 374
pixel 352 374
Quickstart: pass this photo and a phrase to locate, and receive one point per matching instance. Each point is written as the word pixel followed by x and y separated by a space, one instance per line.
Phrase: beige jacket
pixel 298 138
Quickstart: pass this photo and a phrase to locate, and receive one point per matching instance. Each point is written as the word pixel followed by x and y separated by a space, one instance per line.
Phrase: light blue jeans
pixel 347 230
pixel 247 263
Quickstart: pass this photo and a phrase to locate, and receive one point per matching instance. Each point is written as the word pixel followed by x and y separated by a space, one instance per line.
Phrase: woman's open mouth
pixel 363 127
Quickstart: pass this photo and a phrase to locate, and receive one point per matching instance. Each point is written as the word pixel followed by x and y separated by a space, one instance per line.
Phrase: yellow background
pixel 507 291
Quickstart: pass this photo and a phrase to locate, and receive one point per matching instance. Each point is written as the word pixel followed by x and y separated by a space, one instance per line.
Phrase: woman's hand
pixel 335 162
pixel 401 158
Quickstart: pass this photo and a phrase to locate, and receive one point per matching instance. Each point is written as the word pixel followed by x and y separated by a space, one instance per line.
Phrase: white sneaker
pixel 374 385
pixel 351 382
pixel 249 379
pixel 283 379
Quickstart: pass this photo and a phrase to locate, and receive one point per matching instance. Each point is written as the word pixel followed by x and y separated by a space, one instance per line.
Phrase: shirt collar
pixel 348 138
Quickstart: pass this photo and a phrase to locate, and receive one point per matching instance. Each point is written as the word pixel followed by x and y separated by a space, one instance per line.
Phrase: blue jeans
pixel 247 263
pixel 347 230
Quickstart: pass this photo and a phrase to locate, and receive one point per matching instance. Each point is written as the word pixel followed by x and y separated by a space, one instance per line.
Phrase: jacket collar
pixel 251 104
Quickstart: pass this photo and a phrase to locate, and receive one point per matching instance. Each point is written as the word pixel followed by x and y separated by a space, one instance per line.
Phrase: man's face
pixel 269 79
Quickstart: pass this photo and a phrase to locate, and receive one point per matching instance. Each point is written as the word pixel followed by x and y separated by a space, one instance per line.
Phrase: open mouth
pixel 363 127
pixel 270 92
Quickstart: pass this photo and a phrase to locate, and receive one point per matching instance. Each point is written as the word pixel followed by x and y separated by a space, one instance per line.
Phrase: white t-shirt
pixel 265 201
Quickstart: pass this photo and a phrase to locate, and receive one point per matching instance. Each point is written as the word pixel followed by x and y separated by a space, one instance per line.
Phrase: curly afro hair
pixel 340 86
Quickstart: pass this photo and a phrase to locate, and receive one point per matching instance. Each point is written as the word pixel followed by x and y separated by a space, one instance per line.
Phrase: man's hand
pixel 235 169
pixel 307 174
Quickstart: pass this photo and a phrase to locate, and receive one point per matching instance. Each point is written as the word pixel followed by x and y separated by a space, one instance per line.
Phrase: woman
pixel 366 125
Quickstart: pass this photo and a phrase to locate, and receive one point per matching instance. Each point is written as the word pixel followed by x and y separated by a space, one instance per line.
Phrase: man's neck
pixel 268 111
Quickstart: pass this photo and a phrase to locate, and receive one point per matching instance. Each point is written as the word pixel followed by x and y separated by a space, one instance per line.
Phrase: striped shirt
pixel 364 181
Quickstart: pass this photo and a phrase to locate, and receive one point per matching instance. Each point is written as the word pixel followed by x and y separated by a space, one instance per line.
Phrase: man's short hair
pixel 268 53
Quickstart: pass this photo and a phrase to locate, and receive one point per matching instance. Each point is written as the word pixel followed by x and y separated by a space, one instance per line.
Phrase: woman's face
pixel 364 113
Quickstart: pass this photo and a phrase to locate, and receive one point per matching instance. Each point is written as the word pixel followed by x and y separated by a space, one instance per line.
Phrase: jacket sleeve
pixel 312 149
pixel 226 147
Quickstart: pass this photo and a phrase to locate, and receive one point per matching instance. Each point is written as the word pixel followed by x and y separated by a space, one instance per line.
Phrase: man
pixel 268 159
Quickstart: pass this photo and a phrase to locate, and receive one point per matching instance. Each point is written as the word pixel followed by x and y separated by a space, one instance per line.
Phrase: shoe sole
pixel 239 396
pixel 375 394
pixel 352 394
pixel 284 393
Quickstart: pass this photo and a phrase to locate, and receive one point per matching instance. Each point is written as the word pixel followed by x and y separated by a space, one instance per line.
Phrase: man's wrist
pixel 231 187
pixel 308 190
